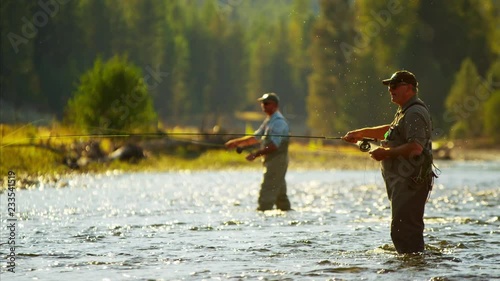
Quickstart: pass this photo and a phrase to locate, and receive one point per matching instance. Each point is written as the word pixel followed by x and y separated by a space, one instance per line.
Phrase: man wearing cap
pixel 406 155
pixel 273 134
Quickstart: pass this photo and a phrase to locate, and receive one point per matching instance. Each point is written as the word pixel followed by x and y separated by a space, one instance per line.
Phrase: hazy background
pixel 203 61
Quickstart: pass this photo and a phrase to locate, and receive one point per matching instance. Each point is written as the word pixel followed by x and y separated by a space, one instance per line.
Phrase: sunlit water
pixel 203 226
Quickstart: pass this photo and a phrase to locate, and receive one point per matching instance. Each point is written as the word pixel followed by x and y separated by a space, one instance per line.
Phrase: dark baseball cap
pixel 401 76
pixel 269 97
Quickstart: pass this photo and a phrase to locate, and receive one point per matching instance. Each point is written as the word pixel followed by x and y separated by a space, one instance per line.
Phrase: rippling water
pixel 202 226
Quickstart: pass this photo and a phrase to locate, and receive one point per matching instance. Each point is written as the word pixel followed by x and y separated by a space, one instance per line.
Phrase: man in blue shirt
pixel 274 138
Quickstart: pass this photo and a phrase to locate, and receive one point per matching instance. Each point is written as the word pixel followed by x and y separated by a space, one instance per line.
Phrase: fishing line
pixel 159 135
pixel 118 135
pixel 364 144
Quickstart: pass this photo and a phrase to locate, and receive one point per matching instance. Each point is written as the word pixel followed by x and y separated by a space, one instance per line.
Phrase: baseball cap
pixel 401 76
pixel 269 97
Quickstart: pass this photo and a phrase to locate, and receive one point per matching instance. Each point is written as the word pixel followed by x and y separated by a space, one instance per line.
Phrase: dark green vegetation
pixel 205 59
pixel 112 97
pixel 38 154
pixel 139 66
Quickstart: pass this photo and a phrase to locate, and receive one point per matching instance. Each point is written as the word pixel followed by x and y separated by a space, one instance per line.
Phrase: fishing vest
pixel 418 167
pixel 282 151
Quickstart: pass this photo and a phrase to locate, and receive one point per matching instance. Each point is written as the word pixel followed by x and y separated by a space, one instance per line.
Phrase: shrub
pixel 112 97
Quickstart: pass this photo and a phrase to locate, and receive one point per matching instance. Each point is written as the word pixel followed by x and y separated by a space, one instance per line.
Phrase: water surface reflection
pixel 202 225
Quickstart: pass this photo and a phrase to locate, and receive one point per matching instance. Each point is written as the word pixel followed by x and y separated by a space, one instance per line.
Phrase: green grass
pixel 24 150
pixel 28 151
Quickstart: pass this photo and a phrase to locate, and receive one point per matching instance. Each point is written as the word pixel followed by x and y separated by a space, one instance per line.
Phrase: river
pixel 203 226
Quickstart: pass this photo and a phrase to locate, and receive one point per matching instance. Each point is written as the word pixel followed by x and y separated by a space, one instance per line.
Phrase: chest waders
pixel 408 182
pixel 423 164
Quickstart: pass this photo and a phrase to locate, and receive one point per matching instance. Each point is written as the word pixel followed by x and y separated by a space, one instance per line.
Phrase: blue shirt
pixel 274 128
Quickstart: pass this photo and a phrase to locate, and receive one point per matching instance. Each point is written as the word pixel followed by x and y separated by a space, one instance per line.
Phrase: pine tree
pixel 464 103
pixel 19 81
pixel 491 91
pixel 327 95
pixel 299 28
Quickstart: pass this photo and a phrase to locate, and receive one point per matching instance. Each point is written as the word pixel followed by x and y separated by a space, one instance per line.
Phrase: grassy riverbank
pixel 33 165
pixel 37 154
pixel 34 157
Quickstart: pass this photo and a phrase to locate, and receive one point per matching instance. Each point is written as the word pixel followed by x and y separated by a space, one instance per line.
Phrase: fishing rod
pixel 125 135
pixel 364 144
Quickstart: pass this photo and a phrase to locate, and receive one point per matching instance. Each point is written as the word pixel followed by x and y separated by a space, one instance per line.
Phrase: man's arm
pixel 416 134
pixel 242 142
pixel 377 132
pixel 271 147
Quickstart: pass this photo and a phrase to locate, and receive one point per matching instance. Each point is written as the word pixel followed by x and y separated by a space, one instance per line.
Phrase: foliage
pixel 19 80
pixel 492 104
pixel 439 47
pixel 112 97
pixel 212 57
pixel 327 83
pixel 25 150
pixel 492 122
pixel 463 104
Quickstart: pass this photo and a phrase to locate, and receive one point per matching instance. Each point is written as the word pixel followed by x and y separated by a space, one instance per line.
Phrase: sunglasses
pixel 395 86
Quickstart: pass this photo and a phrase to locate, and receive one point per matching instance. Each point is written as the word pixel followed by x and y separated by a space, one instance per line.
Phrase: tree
pixel 19 82
pixel 438 48
pixel 464 102
pixel 145 22
pixel 112 96
pixel 59 56
pixel 260 55
pixel 174 101
pixel 492 104
pixel 95 20
pixel 299 28
pixel 181 102
pixel 491 120
pixel 379 47
pixel 327 96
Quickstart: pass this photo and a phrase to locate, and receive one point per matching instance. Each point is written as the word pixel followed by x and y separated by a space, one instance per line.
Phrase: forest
pixel 205 62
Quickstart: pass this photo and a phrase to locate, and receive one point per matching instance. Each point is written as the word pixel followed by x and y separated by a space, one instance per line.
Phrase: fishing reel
pixel 364 144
